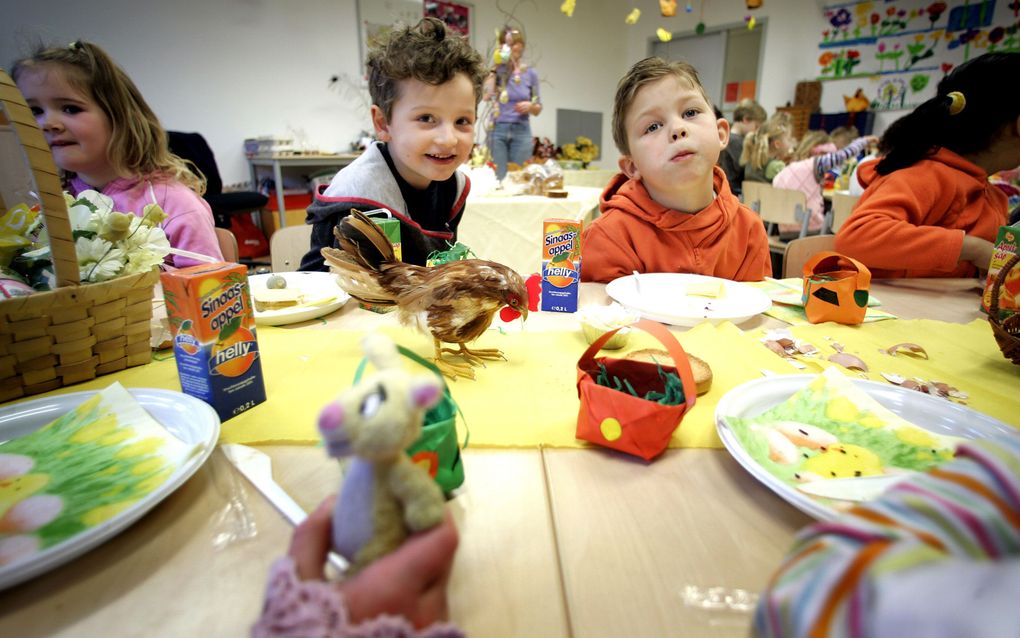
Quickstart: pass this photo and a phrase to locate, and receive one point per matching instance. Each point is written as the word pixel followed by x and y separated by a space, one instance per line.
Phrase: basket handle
pixel 993 305
pixel 47 182
pixel 666 338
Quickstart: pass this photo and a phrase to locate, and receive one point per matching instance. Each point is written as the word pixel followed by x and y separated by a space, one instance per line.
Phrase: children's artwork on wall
pixel 912 40
pixel 456 15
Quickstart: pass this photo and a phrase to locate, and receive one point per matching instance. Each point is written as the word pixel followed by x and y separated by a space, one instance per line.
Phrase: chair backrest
pixel 288 245
pixel 193 148
pixel 798 251
pixel 842 205
pixel 228 244
pixel 784 206
pixel 750 192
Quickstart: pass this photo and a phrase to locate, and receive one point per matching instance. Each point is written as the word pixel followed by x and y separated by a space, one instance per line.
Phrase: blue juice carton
pixel 561 264
pixel 213 324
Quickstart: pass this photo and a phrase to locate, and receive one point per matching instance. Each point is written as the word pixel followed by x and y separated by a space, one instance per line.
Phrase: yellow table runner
pixel 531 400
pixel 963 355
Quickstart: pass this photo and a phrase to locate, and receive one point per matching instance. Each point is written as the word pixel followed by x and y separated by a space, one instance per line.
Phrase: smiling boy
pixel 425 85
pixel 671 208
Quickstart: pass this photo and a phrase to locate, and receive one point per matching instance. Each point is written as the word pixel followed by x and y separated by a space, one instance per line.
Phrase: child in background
pixel 929 209
pixel 395 595
pixel 936 556
pixel 843 135
pixel 425 85
pixel 767 150
pixel 671 209
pixel 808 176
pixel 104 137
pixel 747 117
pixel 813 143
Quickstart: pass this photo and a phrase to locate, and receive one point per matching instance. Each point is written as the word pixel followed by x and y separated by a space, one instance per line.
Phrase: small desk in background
pixel 278 162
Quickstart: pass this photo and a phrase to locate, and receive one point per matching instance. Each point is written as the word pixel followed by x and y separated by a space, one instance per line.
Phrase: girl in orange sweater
pixel 928 209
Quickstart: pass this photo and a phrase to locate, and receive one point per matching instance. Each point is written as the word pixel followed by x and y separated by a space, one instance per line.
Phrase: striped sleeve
pixel 829 161
pixel 968 510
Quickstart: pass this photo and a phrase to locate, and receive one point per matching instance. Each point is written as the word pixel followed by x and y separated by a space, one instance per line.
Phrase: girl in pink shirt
pixel 104 137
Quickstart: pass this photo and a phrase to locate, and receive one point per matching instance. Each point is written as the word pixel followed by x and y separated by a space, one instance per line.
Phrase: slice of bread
pixel 275 298
pixel 701 371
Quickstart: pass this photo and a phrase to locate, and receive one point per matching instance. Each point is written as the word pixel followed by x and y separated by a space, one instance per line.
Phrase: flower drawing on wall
pixel 839 65
pixel 885 53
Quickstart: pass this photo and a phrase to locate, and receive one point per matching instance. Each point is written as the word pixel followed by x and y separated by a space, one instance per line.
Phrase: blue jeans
pixel 510 142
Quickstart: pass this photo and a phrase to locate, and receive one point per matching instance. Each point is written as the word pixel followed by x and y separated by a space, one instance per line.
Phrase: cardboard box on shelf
pixel 270 219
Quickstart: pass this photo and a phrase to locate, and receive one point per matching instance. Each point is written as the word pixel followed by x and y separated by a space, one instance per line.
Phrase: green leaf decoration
pixel 230 328
pixel 861 298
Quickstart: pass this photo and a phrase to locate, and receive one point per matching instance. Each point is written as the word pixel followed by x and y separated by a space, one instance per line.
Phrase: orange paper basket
pixel 619 420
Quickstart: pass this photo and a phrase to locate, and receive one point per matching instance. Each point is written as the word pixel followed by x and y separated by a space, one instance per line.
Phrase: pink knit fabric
pixel 314 609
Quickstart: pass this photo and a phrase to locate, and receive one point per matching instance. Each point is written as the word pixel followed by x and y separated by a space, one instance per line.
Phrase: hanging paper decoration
pixel 700 29
pixel 667 8
pixel 633 16
pixel 664 36
pixel 689 8
pixel 567 8
pixel 753 4
pixel 751 22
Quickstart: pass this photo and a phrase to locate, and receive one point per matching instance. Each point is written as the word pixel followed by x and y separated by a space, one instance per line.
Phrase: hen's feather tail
pixel 361 238
pixel 364 250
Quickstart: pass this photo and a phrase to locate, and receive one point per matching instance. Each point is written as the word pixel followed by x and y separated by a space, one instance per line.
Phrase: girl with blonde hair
pixel 767 150
pixel 105 137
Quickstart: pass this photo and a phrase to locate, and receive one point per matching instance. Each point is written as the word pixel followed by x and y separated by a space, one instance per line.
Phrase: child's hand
pixel 410 582
pixel 977 251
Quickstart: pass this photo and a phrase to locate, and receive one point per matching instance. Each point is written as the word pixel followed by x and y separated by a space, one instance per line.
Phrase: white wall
pixel 232 69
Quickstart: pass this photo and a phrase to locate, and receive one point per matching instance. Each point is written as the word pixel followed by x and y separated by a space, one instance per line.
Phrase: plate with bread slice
pixel 681 299
pixel 290 297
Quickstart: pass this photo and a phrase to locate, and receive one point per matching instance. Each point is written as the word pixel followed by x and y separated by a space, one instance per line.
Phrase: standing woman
pixel 513 85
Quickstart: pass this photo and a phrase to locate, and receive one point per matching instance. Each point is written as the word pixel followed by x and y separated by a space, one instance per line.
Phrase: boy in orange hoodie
pixel 671 209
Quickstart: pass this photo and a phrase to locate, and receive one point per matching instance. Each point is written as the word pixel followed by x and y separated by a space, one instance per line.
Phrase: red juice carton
pixel 213 325
pixel 561 264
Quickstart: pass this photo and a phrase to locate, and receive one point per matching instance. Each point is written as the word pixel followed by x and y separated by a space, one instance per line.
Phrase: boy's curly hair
pixel 426 52
pixel 645 72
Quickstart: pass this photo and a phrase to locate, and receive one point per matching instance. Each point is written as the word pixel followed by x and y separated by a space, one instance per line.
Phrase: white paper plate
pixel 313 284
pixel 662 297
pixel 932 413
pixel 189 419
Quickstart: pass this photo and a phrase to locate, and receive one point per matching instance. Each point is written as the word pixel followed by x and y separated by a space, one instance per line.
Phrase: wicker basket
pixel 75 332
pixel 1007 331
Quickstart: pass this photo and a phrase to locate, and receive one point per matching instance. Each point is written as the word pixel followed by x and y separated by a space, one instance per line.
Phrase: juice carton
pixel 1009 292
pixel 213 324
pixel 561 264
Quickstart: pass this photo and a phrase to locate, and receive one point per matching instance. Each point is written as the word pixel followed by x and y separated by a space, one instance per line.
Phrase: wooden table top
pixel 554 542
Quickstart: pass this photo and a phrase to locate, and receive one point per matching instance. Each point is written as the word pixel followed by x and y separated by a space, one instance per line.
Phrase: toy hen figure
pixel 452 302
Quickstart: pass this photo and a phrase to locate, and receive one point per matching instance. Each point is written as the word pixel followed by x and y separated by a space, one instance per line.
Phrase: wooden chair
pixel 842 205
pixel 798 251
pixel 228 244
pixel 288 245
pixel 782 206
pixel 750 192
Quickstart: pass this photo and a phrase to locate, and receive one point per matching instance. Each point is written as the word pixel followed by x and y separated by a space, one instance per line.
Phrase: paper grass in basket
pixel 81 470
pixel 830 429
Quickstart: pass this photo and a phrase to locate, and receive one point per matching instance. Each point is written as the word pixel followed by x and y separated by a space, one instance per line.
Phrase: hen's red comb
pixel 534 286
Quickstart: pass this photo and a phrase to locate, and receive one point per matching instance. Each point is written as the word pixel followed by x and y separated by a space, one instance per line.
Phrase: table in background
pixel 278 162
pixel 583 542
pixel 508 228
pixel 592 177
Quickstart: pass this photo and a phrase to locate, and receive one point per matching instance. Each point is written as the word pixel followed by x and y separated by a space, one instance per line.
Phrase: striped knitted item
pixel 967 510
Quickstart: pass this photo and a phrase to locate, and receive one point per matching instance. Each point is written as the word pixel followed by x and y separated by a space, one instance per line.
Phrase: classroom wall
pixel 233 69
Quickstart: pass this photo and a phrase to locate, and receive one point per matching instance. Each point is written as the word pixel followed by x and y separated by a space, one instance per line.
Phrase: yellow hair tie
pixel 957 102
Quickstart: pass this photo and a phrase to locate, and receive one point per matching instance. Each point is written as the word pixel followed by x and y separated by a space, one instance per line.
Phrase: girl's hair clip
pixel 956 102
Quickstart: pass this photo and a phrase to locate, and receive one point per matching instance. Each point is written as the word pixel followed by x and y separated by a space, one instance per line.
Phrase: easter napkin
pixel 80 470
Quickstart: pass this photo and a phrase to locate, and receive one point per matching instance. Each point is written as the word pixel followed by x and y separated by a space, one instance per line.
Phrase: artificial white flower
pixel 97 259
pixel 146 238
